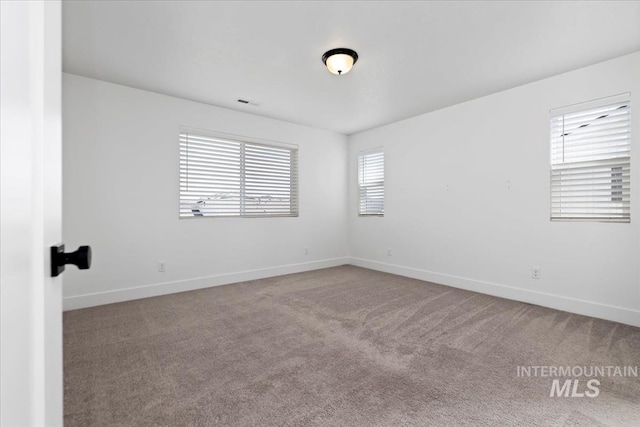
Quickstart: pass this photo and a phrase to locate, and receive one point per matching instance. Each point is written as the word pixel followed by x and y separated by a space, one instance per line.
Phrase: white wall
pixel 467 200
pixel 121 197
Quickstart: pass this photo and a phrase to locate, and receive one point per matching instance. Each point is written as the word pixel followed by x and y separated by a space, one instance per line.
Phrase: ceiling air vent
pixel 249 102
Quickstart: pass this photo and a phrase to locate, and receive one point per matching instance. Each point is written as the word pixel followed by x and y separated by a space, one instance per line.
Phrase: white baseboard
pixel 156 289
pixel 587 308
pixel 572 305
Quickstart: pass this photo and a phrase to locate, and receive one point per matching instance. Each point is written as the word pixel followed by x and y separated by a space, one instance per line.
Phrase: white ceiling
pixel 415 57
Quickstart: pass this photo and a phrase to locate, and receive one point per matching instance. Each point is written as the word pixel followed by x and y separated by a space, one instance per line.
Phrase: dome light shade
pixel 339 61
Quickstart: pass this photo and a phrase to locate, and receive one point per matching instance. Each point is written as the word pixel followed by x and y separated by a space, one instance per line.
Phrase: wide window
pixel 591 161
pixel 371 183
pixel 231 177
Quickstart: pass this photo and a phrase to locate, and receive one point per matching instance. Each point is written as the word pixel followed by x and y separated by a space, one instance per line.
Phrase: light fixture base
pixel 340 60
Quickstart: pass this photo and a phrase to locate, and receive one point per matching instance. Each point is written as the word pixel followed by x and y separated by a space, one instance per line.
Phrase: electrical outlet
pixel 162 266
pixel 388 251
pixel 535 272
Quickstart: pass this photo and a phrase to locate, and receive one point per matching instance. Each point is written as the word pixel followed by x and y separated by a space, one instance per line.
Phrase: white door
pixel 30 213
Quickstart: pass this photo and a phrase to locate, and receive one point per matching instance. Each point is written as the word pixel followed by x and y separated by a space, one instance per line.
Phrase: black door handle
pixel 80 258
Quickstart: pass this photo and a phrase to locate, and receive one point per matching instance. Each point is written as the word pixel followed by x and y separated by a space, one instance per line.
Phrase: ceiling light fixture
pixel 339 61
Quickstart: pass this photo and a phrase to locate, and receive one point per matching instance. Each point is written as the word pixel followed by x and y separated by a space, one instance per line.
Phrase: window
pixel 591 161
pixel 223 176
pixel 371 183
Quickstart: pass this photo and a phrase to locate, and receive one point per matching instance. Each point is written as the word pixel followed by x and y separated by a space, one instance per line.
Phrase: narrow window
pixel 591 161
pixel 225 176
pixel 371 183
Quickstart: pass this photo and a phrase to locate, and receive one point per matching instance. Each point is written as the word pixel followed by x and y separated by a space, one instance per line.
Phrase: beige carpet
pixel 342 346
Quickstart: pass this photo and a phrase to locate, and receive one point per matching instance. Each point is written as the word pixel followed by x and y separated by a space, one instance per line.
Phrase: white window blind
pixel 371 183
pixel 227 177
pixel 591 161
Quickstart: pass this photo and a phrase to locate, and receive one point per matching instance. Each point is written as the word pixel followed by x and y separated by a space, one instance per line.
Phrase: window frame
pixel 592 172
pixel 379 184
pixel 243 142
